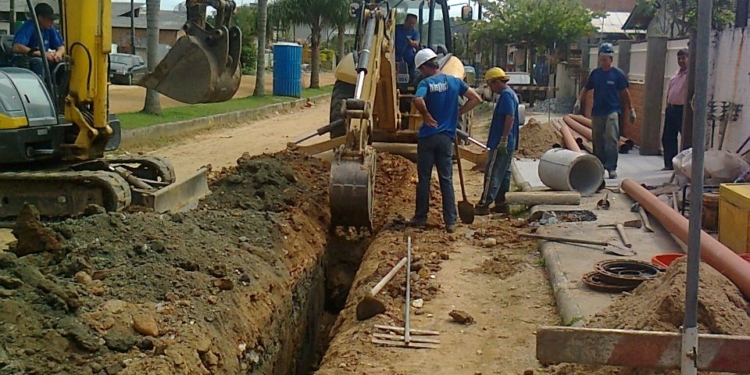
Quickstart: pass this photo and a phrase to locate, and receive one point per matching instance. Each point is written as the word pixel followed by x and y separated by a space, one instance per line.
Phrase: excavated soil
pixel 537 138
pixel 659 306
pixel 234 286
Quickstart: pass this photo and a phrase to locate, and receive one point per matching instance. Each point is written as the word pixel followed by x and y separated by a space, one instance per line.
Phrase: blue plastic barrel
pixel 287 69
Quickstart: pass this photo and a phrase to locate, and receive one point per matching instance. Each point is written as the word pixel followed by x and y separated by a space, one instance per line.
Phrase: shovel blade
pixel 466 212
pixel 198 69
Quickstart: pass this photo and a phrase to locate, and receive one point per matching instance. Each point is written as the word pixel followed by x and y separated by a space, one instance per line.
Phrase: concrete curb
pixel 152 133
pixel 567 307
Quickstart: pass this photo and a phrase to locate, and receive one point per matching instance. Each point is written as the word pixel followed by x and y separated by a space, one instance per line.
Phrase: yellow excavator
pixel 372 101
pixel 54 132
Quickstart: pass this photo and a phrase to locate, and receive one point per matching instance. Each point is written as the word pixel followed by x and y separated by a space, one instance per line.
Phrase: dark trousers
pixel 672 129
pixel 496 178
pixel 435 150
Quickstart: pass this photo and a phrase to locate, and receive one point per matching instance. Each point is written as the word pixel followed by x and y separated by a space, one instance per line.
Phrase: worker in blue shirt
pixel 407 42
pixel 610 85
pixel 436 100
pixel 26 40
pixel 502 142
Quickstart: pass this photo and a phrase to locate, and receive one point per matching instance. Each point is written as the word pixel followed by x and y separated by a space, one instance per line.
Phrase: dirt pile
pixel 536 139
pixel 189 293
pixel 659 306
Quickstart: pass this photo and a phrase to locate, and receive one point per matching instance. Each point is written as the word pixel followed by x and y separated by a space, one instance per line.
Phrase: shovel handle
pixel 460 170
pixel 564 239
pixel 376 289
pixel 623 235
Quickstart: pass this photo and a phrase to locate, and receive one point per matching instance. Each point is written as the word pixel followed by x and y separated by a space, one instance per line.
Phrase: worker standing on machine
pixel 437 101
pixel 407 42
pixel 610 85
pixel 26 41
pixel 502 142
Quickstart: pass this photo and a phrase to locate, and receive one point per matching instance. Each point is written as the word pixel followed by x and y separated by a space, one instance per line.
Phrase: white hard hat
pixel 423 56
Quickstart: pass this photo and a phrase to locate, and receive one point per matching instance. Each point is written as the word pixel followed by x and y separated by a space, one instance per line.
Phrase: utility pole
pixel 132 26
pixel 740 17
pixel 12 28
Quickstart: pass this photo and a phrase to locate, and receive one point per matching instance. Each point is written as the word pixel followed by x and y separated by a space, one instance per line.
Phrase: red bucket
pixel 664 260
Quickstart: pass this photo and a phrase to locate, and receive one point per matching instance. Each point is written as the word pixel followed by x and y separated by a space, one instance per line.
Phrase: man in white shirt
pixel 676 96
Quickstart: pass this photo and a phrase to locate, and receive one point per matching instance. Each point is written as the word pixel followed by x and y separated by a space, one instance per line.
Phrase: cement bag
pixel 723 166
pixel 682 164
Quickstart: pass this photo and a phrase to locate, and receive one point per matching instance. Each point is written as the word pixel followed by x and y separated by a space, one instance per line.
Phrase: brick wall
pixel 631 131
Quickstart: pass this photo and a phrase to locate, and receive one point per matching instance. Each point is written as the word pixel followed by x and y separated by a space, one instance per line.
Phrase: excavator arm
pixel 203 66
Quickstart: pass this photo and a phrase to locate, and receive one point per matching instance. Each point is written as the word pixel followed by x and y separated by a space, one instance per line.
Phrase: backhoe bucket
pixel 200 70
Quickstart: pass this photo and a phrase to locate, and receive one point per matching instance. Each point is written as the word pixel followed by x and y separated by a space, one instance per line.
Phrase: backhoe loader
pixel 54 132
pixel 372 102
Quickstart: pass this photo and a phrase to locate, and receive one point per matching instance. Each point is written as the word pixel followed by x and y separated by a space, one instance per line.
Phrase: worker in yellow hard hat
pixel 501 142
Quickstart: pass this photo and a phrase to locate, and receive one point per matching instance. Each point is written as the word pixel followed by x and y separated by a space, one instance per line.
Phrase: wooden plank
pixel 413 331
pixel 413 338
pixel 414 345
pixel 640 349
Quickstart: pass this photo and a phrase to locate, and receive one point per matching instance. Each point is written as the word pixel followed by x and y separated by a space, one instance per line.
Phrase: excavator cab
pixel 214 50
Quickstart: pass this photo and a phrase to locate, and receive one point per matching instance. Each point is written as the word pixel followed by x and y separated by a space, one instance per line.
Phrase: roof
pixel 609 5
pixel 612 23
pixel 638 19
pixel 168 20
pixel 123 9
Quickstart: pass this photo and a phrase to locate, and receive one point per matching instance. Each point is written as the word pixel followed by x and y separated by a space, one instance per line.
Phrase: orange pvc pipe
pixel 713 252
pixel 570 142
pixel 587 122
pixel 586 131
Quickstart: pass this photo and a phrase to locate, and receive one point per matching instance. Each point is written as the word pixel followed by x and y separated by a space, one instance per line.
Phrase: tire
pixel 341 92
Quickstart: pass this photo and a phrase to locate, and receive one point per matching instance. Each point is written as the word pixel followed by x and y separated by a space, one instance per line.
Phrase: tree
pixel 313 13
pixel 341 18
pixel 260 70
pixel 152 104
pixel 683 14
pixel 535 24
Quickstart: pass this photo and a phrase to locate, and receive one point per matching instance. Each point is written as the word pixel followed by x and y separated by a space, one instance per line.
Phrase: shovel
pixel 608 248
pixel 465 209
pixel 621 230
pixel 370 306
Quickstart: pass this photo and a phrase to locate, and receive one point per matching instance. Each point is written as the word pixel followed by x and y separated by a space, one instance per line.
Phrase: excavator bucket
pixel 200 68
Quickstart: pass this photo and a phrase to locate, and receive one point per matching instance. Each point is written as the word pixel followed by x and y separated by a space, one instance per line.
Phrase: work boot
pixel 414 222
pixel 450 228
pixel 612 175
pixel 482 210
pixel 500 208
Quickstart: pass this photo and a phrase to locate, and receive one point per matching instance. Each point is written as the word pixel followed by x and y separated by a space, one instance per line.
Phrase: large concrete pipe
pixel 713 252
pixel 623 141
pixel 568 170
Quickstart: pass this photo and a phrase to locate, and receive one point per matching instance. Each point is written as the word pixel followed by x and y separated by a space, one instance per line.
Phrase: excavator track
pixel 352 190
pixel 152 168
pixel 62 193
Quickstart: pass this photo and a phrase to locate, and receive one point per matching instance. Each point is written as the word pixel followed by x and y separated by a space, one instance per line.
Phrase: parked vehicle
pixel 125 68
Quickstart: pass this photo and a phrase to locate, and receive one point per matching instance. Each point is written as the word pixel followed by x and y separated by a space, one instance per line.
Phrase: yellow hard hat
pixel 495 73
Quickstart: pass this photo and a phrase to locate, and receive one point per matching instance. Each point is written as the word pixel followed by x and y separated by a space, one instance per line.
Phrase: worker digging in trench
pixel 502 143
pixel 610 85
pixel 436 99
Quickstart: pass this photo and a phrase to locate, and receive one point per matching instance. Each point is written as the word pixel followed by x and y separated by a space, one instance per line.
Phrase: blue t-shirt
pixel 403 49
pixel 607 86
pixel 440 93
pixel 27 36
pixel 506 105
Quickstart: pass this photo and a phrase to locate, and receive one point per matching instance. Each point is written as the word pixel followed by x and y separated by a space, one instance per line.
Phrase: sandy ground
pixel 130 98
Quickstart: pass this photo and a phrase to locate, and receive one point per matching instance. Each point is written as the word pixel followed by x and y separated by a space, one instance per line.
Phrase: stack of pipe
pixel 571 139
pixel 582 125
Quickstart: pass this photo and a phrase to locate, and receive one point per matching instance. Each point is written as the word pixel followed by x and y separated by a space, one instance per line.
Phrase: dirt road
pixel 130 98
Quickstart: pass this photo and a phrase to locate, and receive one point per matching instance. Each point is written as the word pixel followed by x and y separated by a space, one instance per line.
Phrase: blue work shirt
pixel 607 86
pixel 403 49
pixel 440 93
pixel 27 36
pixel 506 105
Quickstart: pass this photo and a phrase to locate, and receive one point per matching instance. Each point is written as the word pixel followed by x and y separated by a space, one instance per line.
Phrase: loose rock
pixel 462 317
pixel 145 325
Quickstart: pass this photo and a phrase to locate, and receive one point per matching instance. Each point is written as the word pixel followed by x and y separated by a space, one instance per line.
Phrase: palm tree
pixel 152 104
pixel 341 19
pixel 260 69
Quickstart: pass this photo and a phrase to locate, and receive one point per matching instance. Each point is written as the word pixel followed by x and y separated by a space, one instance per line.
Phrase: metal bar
pixel 689 330
pixel 415 331
pixel 407 331
pixel 641 349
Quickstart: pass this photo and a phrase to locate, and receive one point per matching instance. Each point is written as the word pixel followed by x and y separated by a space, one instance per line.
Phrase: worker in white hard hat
pixel 502 142
pixel 437 101
pixel 610 85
